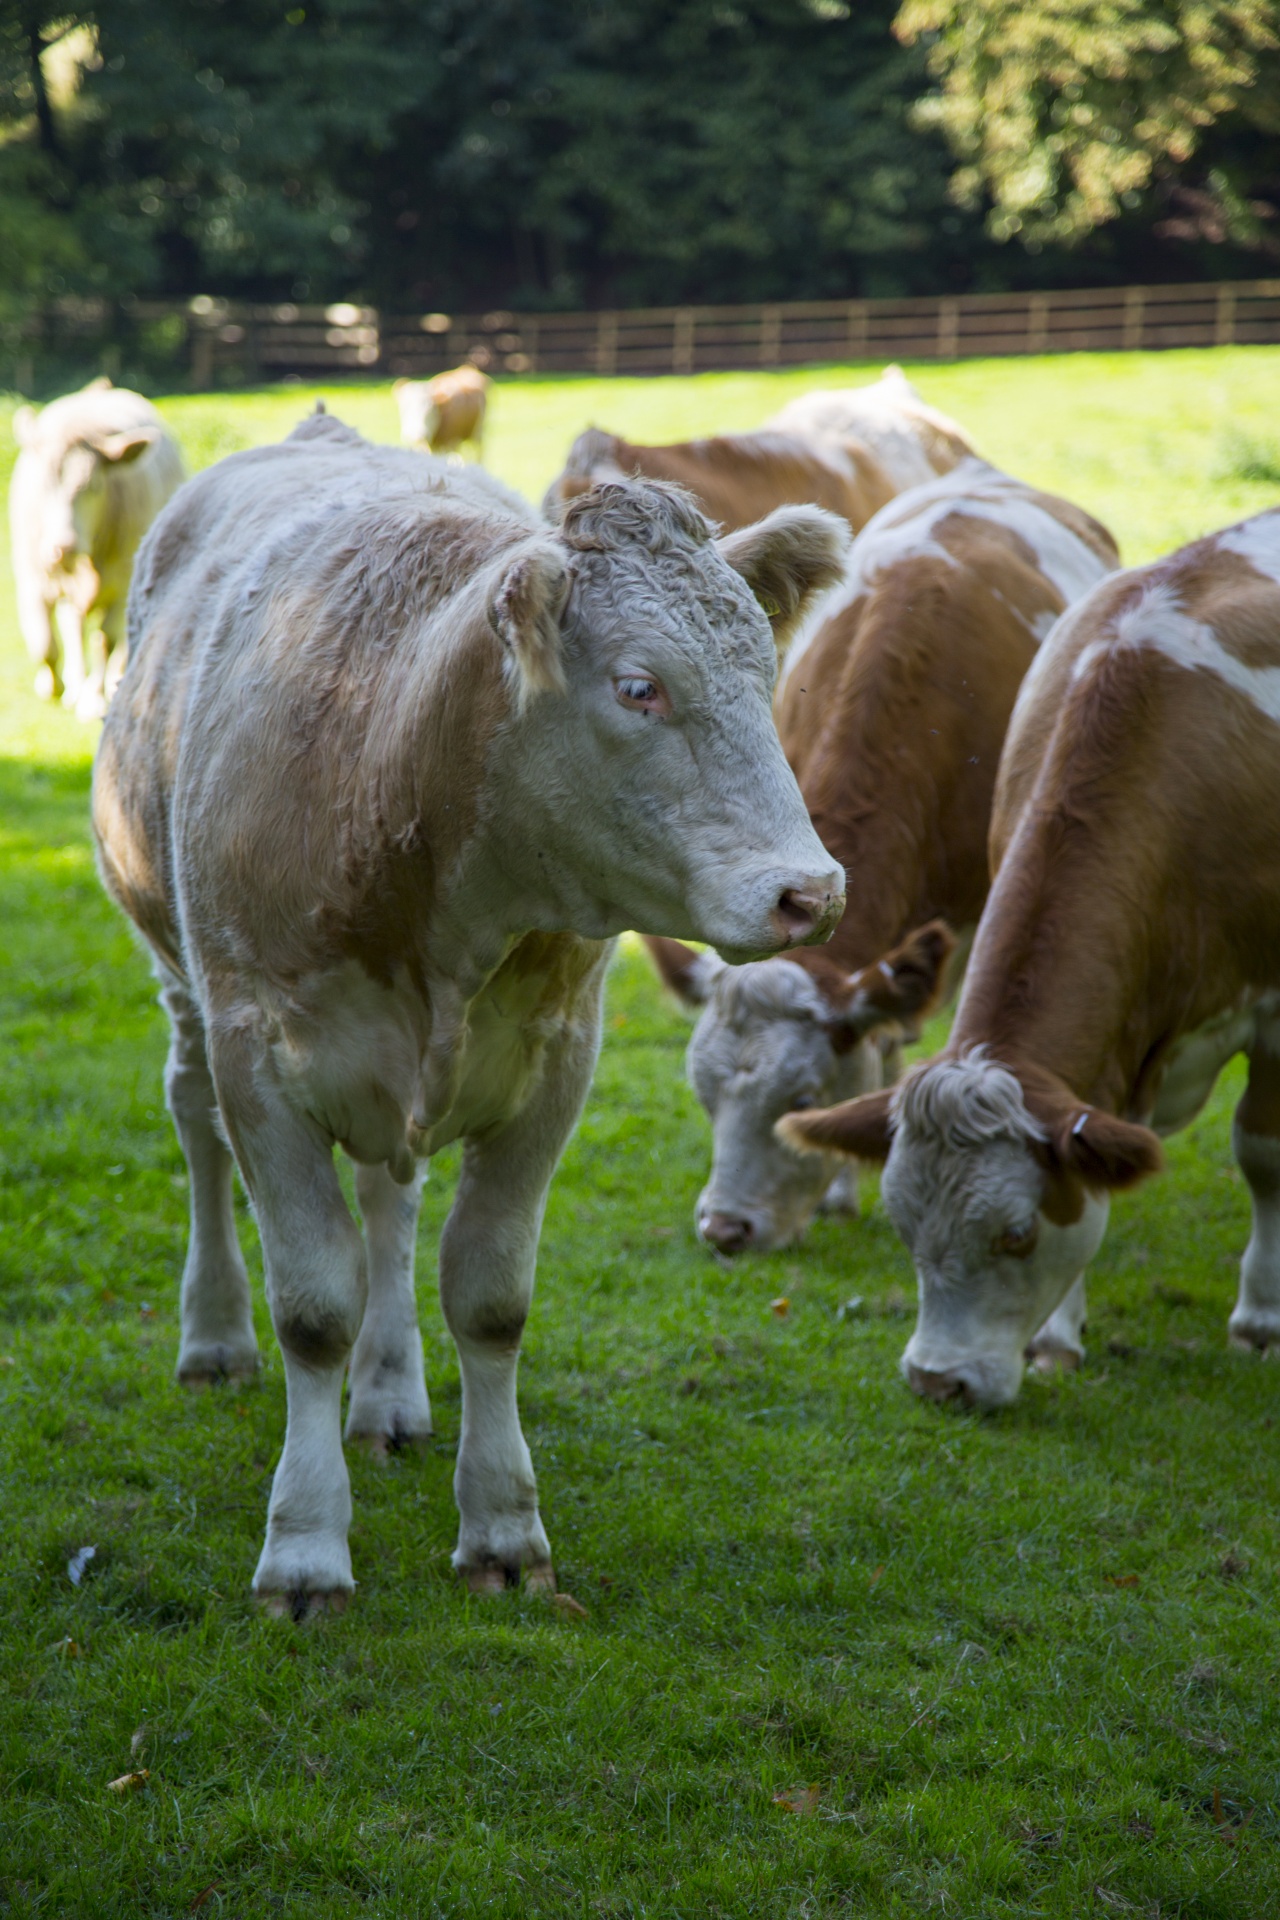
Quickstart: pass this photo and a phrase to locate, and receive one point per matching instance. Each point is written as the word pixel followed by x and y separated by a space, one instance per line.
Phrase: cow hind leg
pixel 388 1405
pixel 316 1286
pixel 217 1339
pixel 1255 1137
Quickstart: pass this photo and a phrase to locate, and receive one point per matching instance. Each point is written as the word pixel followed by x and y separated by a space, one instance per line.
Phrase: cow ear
pixel 398 386
pixel 690 975
pixel 906 985
pixel 1102 1151
pixel 123 448
pixel 860 1128
pixel 24 425
pixel 524 612
pixel 788 559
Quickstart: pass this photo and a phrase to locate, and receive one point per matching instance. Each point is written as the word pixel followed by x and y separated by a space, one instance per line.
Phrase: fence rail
pixel 222 343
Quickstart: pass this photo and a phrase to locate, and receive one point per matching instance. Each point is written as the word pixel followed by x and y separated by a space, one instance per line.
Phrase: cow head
pixel 775 1037
pixel 643 655
pixel 1000 1185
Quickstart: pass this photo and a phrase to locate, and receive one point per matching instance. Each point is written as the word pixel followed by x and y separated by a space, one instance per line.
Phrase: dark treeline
pixel 526 153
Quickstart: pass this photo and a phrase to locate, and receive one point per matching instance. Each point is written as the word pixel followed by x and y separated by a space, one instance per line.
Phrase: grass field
pixel 1028 1663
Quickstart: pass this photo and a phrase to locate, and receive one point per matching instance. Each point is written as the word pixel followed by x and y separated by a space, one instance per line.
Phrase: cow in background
pixel 850 451
pixel 93 471
pixel 392 762
pixel 1129 949
pixel 892 711
pixel 443 414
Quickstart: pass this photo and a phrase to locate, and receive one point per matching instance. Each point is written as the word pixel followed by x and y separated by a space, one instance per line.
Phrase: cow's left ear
pixel 1105 1153
pixel 788 559
pixel 123 448
pixel 859 1127
pixel 905 985
pixel 525 612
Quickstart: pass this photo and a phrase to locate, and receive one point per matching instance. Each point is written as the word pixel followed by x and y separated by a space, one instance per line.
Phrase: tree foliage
pixel 1065 111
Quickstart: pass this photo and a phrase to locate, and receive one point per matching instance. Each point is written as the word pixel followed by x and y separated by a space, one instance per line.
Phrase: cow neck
pixel 1066 977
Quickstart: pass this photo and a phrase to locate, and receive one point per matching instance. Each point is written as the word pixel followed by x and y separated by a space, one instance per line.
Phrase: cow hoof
pixel 205 1366
pixel 1254 1332
pixel 48 685
pixel 1051 1360
pixel 400 1437
pixel 498 1579
pixel 91 704
pixel 299 1605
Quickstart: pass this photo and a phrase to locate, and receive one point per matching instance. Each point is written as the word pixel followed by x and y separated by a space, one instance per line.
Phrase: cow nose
pixel 726 1233
pixel 807 912
pixel 937 1386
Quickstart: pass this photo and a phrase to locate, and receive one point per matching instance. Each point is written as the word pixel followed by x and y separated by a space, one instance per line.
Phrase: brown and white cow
pixel 1130 948
pixel 892 712
pixel 391 763
pixel 848 449
pixel 912 442
pixel 94 470
pixel 444 413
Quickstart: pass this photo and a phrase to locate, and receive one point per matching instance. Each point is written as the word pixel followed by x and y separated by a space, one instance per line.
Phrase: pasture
pixel 840 1652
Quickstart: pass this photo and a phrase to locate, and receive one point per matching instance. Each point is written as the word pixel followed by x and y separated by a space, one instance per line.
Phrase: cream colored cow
pixel 94 470
pixel 391 763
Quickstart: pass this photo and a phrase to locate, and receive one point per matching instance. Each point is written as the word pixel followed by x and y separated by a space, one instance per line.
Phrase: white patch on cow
pixel 905 530
pixel 1258 542
pixel 1160 622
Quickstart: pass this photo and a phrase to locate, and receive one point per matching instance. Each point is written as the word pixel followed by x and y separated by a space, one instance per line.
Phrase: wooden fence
pixel 221 343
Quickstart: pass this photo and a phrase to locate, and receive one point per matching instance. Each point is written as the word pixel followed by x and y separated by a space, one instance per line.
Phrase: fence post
pixel 1037 323
pixel 201 357
pixel 607 345
pixel 1133 305
pixel 948 327
pixel 1224 324
pixel 682 341
pixel 530 331
pixel 770 336
pixel 856 345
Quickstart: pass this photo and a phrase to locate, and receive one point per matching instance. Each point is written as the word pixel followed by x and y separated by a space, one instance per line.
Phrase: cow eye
pixel 1017 1242
pixel 642 695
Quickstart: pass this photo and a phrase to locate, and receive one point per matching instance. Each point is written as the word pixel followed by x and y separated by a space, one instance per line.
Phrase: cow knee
pixel 497 1323
pixel 317 1309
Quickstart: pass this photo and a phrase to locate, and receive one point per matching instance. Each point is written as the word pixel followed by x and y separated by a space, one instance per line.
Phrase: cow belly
pixel 1194 1063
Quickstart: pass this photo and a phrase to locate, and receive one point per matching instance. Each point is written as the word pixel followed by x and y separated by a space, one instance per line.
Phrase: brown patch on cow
pixel 736 478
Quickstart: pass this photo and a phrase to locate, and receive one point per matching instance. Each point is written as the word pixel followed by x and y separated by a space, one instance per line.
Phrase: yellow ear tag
pixel 770 606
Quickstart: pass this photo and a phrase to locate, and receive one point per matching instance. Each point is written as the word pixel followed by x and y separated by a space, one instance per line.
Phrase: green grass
pixel 1019 1655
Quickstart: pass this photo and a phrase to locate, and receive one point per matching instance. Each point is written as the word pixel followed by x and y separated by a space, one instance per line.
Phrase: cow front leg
pixel 35 619
pixel 69 622
pixel 316 1285
pixel 1255 1137
pixel 388 1405
pixel 487 1255
pixel 1059 1345
pixel 218 1339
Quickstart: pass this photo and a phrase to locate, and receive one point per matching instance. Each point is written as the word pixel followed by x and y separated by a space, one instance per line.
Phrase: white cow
pixel 94 470
pixel 390 764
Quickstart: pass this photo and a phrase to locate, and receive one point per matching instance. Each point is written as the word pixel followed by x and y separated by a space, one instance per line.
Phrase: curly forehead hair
pixel 634 513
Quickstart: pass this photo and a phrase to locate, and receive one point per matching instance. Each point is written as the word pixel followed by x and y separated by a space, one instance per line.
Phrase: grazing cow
pixel 850 451
pixel 892 713
pixel 912 441
pixel 1130 947
pixel 736 478
pixel 93 472
pixel 443 414
pixel 392 762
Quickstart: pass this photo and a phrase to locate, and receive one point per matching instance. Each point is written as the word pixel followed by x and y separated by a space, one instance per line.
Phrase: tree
pixel 1067 111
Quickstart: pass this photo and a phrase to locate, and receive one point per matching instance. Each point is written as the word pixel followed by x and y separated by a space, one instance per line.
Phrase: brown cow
pixel 849 450
pixel 443 414
pixel 892 713
pixel 1130 948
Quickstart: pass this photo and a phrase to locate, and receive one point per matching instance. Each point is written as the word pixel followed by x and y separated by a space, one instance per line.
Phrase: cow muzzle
pixel 983 1381
pixel 809 913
